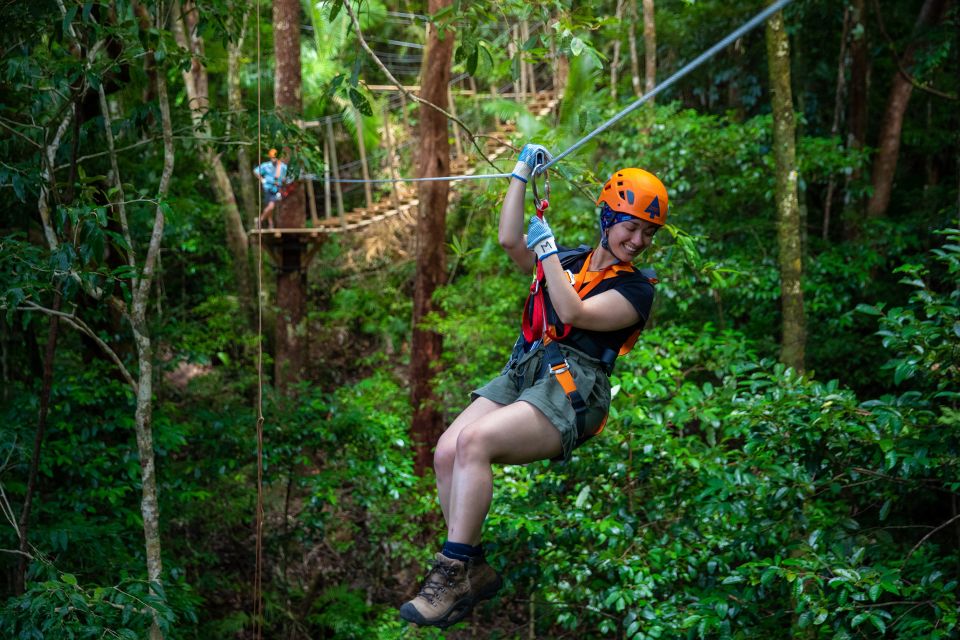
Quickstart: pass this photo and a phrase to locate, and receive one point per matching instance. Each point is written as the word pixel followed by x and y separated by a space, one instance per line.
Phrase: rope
pixel 258 573
pixel 746 27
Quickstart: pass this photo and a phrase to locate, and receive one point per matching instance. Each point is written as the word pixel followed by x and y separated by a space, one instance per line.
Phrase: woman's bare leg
pixel 446 451
pixel 515 434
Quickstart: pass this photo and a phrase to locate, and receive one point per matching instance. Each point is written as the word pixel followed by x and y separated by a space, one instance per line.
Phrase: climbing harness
pixel 535 325
pixel 584 282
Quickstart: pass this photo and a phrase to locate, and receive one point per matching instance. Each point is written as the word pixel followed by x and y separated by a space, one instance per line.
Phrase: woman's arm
pixel 607 311
pixel 511 235
pixel 511 213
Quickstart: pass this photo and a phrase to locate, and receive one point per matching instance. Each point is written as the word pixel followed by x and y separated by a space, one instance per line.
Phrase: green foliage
pixel 727 498
pixel 717 504
pixel 58 606
pixel 925 335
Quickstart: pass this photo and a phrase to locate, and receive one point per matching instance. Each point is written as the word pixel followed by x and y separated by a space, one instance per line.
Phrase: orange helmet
pixel 637 193
pixel 272 154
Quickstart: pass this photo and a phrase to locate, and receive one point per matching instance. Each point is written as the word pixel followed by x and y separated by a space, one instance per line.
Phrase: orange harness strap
pixel 583 283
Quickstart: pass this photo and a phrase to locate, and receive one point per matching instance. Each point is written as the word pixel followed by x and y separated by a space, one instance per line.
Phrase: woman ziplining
pixel 586 307
pixel 518 418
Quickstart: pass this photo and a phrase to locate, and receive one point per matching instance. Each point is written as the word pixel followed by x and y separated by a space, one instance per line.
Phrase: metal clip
pixel 541 203
pixel 555 370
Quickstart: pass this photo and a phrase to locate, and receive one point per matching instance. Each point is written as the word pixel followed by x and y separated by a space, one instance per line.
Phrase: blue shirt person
pixel 272 175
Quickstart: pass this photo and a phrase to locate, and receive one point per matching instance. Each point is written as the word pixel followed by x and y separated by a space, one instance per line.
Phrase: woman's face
pixel 628 239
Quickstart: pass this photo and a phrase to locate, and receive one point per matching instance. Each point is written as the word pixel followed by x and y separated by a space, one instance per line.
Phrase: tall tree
pixel 248 189
pixel 135 278
pixel 901 87
pixel 837 110
pixel 649 47
pixel 617 45
pixel 291 277
pixel 187 19
pixel 632 40
pixel 857 117
pixel 789 244
pixel 434 160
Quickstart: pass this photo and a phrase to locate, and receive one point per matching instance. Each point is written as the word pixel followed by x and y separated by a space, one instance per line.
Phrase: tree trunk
pixel 788 213
pixel 632 38
pixel 291 279
pixel 649 48
pixel 434 154
pixel 561 75
pixel 856 114
pixel 149 502
pixel 615 63
pixel 888 141
pixel 24 525
pixel 248 189
pixel 198 95
pixel 835 124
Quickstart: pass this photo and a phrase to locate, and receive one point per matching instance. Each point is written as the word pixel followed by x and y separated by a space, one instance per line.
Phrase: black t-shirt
pixel 634 286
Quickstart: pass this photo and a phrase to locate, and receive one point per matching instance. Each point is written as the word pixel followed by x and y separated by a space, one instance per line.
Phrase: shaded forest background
pixel 781 459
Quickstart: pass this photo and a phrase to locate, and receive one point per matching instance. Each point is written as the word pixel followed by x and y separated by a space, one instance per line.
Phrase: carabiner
pixel 540 203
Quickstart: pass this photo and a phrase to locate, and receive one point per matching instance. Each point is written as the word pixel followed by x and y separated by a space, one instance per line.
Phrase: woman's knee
pixel 472 446
pixel 444 457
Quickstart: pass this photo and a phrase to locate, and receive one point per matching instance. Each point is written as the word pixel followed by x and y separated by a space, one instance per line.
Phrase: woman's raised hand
pixel 530 156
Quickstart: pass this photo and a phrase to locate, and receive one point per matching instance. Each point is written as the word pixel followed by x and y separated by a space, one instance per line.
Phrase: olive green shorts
pixel 528 379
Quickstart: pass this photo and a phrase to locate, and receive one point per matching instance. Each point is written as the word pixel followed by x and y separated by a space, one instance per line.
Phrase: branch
pixel 221 140
pixel 141 293
pixel 12 130
pixel 115 170
pixel 8 511
pixel 415 98
pixel 927 537
pixel 85 329
pixel 48 156
pixel 869 472
pixel 896 56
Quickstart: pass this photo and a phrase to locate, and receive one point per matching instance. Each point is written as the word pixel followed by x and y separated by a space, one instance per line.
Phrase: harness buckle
pixel 557 369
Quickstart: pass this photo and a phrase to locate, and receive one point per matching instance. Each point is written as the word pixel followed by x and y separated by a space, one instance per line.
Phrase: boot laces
pixel 438 579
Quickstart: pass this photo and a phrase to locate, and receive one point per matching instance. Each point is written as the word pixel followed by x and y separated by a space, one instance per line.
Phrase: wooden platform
pixel 495 145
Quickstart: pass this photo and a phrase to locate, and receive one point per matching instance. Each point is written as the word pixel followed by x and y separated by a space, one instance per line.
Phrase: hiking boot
pixel 450 590
pixel 484 581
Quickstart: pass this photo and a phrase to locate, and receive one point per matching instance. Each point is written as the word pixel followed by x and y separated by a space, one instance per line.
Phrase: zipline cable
pixel 746 27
